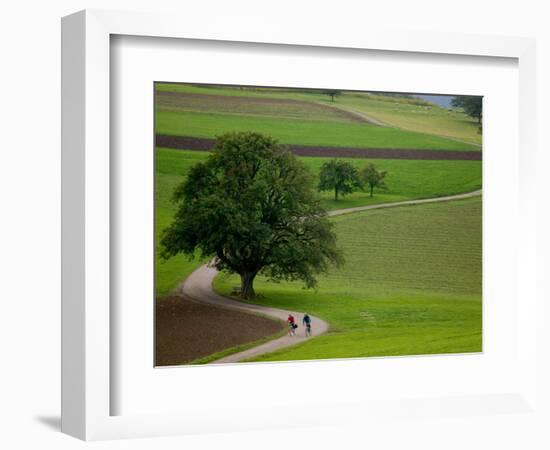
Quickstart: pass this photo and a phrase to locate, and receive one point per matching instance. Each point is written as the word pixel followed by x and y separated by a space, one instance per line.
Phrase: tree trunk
pixel 247 285
pixel 336 194
pixel 371 189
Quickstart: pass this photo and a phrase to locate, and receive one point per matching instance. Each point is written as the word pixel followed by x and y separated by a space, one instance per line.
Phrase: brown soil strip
pixel 273 107
pixel 205 144
pixel 186 330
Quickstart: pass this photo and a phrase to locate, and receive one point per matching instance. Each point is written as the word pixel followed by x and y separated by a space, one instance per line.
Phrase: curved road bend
pixel 198 287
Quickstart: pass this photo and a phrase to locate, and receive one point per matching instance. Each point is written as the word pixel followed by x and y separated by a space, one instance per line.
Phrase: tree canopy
pixel 252 208
pixel 340 176
pixel 373 177
pixel 332 93
pixel 472 105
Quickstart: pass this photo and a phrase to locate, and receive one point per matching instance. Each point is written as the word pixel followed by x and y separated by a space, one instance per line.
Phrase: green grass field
pixel 306 94
pixel 252 106
pixel 301 132
pixel 242 91
pixel 170 170
pixel 396 112
pixel 406 180
pixel 425 119
pixel 411 285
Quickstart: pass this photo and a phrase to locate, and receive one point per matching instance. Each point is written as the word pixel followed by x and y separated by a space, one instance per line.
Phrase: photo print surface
pixel 299 224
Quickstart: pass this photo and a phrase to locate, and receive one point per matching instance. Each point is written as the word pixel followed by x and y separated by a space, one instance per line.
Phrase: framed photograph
pixel 270 229
pixel 301 224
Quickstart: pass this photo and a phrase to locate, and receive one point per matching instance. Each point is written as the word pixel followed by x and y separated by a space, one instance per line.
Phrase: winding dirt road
pixel 339 212
pixel 197 287
pixel 359 115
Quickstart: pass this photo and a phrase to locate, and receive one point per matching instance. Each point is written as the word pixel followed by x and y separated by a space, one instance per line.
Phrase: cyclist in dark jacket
pixel 306 321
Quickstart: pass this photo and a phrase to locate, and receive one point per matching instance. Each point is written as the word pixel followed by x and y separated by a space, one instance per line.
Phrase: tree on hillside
pixel 332 93
pixel 340 176
pixel 472 105
pixel 252 208
pixel 373 177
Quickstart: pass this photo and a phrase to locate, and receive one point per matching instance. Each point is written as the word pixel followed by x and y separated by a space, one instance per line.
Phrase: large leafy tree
pixel 472 105
pixel 340 176
pixel 252 208
pixel 373 177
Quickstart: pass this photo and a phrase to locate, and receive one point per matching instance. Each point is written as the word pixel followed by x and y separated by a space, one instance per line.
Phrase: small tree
pixel 472 105
pixel 373 177
pixel 252 208
pixel 332 93
pixel 340 176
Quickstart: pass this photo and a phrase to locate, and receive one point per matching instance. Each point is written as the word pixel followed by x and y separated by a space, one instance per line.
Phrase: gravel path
pixel 339 212
pixel 198 287
pixel 361 116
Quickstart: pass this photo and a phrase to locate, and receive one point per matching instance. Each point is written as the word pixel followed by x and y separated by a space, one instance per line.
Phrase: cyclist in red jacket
pixel 291 325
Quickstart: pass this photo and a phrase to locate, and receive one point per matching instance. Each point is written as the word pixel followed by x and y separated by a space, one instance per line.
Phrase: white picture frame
pixel 86 220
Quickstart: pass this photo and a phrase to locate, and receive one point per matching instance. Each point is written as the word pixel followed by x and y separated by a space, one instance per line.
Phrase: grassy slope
pixel 301 94
pixel 406 180
pixel 434 120
pixel 251 106
pixel 307 94
pixel 396 112
pixel 171 169
pixel 301 132
pixel 407 287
